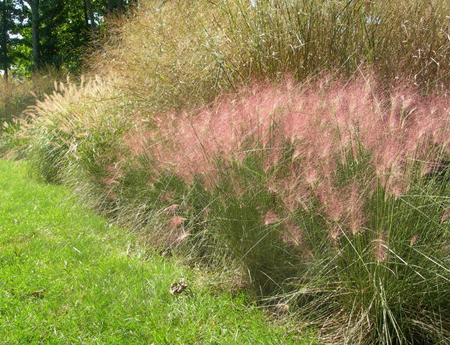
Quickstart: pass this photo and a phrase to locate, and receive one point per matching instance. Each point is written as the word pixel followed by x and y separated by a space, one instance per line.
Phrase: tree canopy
pixel 39 33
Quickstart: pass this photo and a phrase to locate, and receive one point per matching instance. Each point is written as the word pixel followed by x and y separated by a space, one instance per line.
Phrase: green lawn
pixel 66 277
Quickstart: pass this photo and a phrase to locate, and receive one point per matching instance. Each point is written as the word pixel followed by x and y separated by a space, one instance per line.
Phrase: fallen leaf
pixel 178 287
pixel 38 293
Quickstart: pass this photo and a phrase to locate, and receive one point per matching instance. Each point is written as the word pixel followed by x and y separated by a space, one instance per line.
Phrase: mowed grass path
pixel 67 277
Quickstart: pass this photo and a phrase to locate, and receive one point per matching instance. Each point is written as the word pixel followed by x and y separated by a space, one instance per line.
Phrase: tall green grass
pixel 177 54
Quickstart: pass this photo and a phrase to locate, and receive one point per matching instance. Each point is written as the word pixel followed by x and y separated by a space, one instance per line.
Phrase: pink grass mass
pixel 327 126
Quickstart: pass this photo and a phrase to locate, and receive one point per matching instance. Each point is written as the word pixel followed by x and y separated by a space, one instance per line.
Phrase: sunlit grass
pixel 67 277
pixel 17 94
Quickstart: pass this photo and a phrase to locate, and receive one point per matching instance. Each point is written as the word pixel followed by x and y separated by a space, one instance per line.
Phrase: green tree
pixel 9 16
pixel 4 36
pixel 35 25
pixel 38 33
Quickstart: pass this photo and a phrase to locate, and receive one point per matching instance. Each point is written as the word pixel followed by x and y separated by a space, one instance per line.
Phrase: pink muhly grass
pixel 355 206
pixel 172 209
pixel 324 123
pixel 175 222
pixel 333 200
pixel 136 142
pixel 380 247
pixel 292 234
pixel 270 218
pixel 173 234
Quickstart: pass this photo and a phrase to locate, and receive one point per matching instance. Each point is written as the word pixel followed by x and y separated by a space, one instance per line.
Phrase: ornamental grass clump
pixel 179 54
pixel 334 183
pixel 75 123
pixel 331 196
pixel 328 192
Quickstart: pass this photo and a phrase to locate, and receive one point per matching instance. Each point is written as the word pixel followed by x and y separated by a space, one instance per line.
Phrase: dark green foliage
pixel 65 32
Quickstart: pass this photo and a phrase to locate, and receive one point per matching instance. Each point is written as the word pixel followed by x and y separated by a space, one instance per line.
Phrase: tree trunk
pixel 110 6
pixel 90 13
pixel 35 24
pixel 120 6
pixel 114 6
pixel 4 38
pixel 86 19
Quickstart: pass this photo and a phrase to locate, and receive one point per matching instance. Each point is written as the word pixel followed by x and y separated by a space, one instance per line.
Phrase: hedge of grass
pixel 289 140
